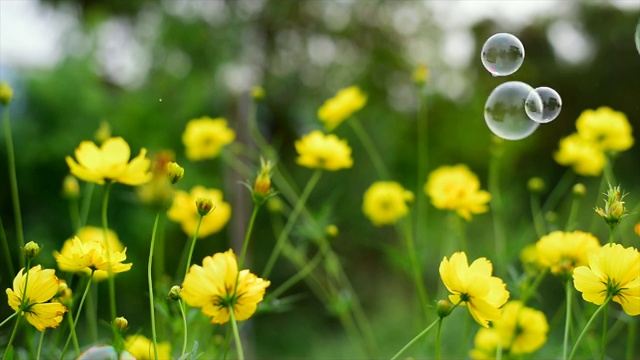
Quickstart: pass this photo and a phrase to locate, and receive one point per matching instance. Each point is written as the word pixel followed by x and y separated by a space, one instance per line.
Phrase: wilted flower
pixel 335 110
pixel 319 151
pixel 205 137
pixel 217 288
pixel 33 302
pixel 474 287
pixel 184 211
pixel 457 188
pixel 110 163
pixel 385 202
pixel 563 251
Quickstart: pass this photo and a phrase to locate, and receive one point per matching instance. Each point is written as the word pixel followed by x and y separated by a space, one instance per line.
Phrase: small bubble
pixel 160 100
pixel 505 114
pixel 502 54
pixel 637 37
pixel 551 105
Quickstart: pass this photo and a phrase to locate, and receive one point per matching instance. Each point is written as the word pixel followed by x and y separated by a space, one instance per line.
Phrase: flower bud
pixel 257 93
pixel 174 171
pixel 262 186
pixel 274 205
pixel 70 187
pixel 31 250
pixel 614 209
pixel 174 293
pixel 420 74
pixel 205 206
pixel 579 190
pixel 103 132
pixel 637 228
pixel 443 308
pixel 331 230
pixel 121 324
pixel 64 295
pixel 6 93
pixel 536 185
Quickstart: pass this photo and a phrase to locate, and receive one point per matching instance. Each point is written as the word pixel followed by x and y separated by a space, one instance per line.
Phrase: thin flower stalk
pixel 573 213
pixel 236 335
pixel 416 269
pixel 496 199
pixel 586 327
pixel 75 321
pixel 13 182
pixel 536 214
pixel 5 249
pixel 370 148
pixel 416 338
pixel 86 202
pixel 154 336
pixel 181 306
pixel 40 345
pixel 423 162
pixel 567 321
pixel 110 276
pixel 192 246
pixel 13 335
pixel 247 236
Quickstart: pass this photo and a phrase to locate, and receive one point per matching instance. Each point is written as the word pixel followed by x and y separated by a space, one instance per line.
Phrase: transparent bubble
pixel 637 37
pixel 505 114
pixel 551 105
pixel 502 54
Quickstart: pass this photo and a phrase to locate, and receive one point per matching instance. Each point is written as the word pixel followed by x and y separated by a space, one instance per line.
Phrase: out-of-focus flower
pixel 319 151
pixel 70 187
pixel 584 156
pixel 536 185
pixel 257 92
pixel 6 93
pixel 529 259
pixel 78 256
pixel 608 129
pixel 457 188
pixel 474 287
pixel 217 286
pixel 335 110
pixel 174 171
pixel 637 229
pixel 564 251
pixel 486 344
pixel 613 271
pixel 33 302
pixel 205 137
pixel 103 133
pixel 142 348
pixel 64 295
pixel 184 211
pixel 110 163
pixel 614 209
pixel 523 330
pixel 420 74
pixel 385 202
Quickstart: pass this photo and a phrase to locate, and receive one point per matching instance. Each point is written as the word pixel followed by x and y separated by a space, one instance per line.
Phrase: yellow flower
pixel 637 229
pixel 457 188
pixel 420 74
pixel 42 286
pixel 90 234
pixel 608 129
pixel 485 344
pixel 584 156
pixel 217 286
pixel 563 251
pixel 522 329
pixel 141 348
pixel 184 211
pixel 321 151
pixel 78 256
pixel 385 202
pixel 474 287
pixel 335 110
pixel 205 137
pixel 110 163
pixel 6 93
pixel 613 271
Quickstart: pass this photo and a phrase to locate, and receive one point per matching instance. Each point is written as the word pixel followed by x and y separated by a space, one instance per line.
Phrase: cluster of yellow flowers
pixel 600 131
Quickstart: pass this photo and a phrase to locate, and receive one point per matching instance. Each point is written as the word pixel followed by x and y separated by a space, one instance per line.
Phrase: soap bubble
pixel 637 37
pixel 502 54
pixel 505 114
pixel 551 105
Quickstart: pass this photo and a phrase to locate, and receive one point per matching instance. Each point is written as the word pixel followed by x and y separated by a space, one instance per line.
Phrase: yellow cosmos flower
pixel 205 137
pixel 217 286
pixel 563 251
pixel 385 202
pixel 474 287
pixel 141 348
pixel 335 110
pixel 523 330
pixel 584 156
pixel 78 256
pixel 486 344
pixel 184 211
pixel 457 188
pixel 33 303
pixel 607 128
pixel 110 163
pixel 613 271
pixel 319 151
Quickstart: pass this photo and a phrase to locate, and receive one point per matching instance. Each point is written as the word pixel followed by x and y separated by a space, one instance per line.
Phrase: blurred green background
pixel 148 67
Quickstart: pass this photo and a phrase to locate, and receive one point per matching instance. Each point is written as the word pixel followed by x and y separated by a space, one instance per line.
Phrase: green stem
pixel 74 215
pixel 422 166
pixel 536 213
pixel 154 336
pixel 13 182
pixel 184 325
pixel 86 203
pixel 238 166
pixel 227 342
pixel 611 231
pixel 438 339
pixel 631 339
pixel 76 345
pixel 92 314
pixel 559 190
pixel 301 274
pixel 531 289
pixel 370 148
pixel 40 344
pixel 604 332
pixel 584 330
pixel 9 318
pixel 247 236
pixel 608 171
pixel 105 237
pixel 236 334
pixel 496 200
pixel 416 338
pixel 415 266
pixel 573 213
pixel 567 320
pixel 7 254
pixel 75 321
pixel 313 181
pixel 13 335
pixel 193 245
